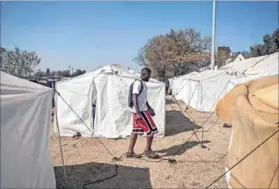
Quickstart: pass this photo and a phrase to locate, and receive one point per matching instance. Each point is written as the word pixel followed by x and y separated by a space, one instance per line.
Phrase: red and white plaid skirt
pixel 144 125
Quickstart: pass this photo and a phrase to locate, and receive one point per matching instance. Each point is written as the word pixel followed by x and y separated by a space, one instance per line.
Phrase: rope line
pixel 194 133
pixel 202 125
pixel 85 124
pixel 211 114
pixel 71 109
pixel 181 110
pixel 101 180
pixel 192 95
pixel 214 105
pixel 276 170
pixel 244 72
pixel 214 76
pixel 198 94
pixel 181 86
pixel 247 155
pixel 170 160
pixel 114 158
pixel 61 151
pixel 213 124
pixel 212 108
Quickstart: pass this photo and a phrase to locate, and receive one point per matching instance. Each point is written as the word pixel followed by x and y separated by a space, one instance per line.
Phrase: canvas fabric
pixel 253 121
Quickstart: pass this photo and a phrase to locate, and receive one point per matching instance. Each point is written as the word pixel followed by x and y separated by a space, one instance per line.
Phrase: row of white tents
pixel 202 91
pixel 26 111
pixel 26 114
pixel 106 88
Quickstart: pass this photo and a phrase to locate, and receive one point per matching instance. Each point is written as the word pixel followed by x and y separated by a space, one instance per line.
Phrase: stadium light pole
pixel 213 36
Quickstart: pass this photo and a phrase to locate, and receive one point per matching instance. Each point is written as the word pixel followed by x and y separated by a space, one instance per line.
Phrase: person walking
pixel 142 116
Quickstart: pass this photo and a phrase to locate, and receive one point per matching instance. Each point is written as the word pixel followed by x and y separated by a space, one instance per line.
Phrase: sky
pixel 87 35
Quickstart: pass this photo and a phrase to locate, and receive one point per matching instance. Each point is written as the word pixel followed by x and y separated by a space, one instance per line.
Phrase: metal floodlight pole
pixel 213 36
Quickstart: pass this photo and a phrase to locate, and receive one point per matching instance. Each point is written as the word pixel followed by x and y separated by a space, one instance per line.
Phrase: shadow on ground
pixel 177 123
pixel 181 148
pixel 79 175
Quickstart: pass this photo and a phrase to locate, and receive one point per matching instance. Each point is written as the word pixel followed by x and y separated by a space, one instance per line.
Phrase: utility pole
pixel 213 36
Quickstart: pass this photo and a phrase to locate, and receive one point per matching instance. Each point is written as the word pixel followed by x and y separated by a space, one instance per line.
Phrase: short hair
pixel 146 69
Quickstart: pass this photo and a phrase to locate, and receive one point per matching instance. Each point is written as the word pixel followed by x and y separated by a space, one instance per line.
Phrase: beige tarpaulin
pixel 252 107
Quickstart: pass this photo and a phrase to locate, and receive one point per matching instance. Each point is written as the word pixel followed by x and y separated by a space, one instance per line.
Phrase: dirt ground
pixel 87 160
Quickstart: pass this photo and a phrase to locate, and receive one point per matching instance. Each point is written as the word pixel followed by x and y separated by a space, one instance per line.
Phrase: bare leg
pixel 148 151
pixel 149 140
pixel 133 140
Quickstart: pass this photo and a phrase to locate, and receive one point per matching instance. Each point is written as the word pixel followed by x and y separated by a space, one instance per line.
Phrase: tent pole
pixel 60 144
pixel 213 36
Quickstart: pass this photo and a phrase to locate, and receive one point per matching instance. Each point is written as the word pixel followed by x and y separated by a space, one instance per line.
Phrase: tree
pixel 78 72
pixel 270 45
pixel 39 74
pixel 3 57
pixel 2 50
pixel 246 54
pixel 275 37
pixel 65 73
pixel 256 50
pixel 47 72
pixel 19 63
pixel 176 53
pixel 52 73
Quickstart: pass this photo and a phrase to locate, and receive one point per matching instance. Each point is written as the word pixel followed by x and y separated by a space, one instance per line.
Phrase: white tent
pixel 259 67
pixel 133 72
pixel 25 123
pixel 177 83
pixel 202 91
pixel 108 89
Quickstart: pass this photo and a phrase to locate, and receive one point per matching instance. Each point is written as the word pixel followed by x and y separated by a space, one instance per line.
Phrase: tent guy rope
pixel 61 150
pixel 113 159
pixel 247 155
pixel 170 160
pixel 206 119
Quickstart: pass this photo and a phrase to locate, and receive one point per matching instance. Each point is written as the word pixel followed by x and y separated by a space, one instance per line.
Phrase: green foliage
pixel 78 72
pixel 19 63
pixel 63 73
pixel 270 45
pixel 175 53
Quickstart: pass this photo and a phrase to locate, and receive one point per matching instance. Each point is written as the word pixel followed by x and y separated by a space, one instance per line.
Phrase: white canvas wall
pixel 25 124
pixel 176 84
pixel 203 90
pixel 267 66
pixel 77 93
pixel 110 91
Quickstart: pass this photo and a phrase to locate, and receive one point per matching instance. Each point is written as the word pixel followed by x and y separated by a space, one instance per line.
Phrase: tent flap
pixel 108 91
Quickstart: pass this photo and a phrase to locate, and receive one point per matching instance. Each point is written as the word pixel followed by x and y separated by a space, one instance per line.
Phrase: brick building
pixel 223 54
